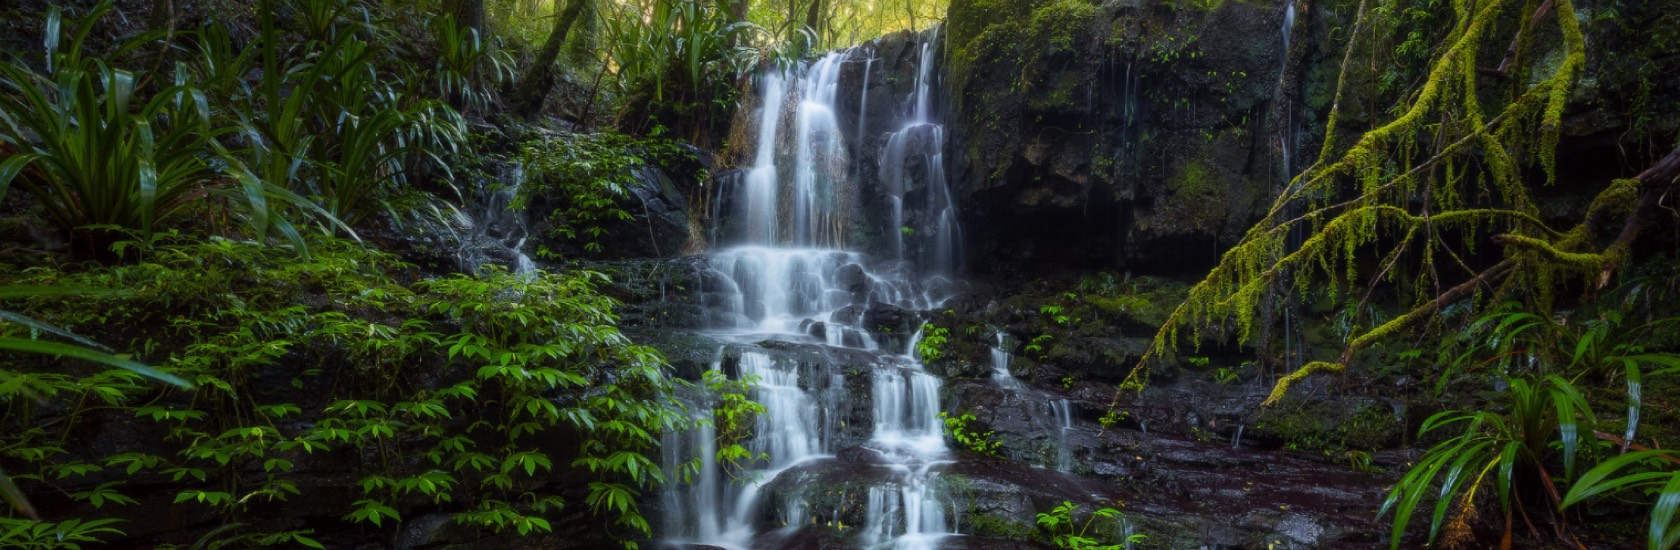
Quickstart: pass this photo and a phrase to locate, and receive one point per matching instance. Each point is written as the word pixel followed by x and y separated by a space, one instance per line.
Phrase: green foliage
pixel 1650 472
pixel 1441 177
pixel 469 67
pixel 1066 532
pixel 1542 411
pixel 103 159
pixel 979 442
pixel 588 178
pixel 932 345
pixel 733 419
pixel 508 360
pixel 1038 346
pixel 682 58
pixel 325 128
pixel 1513 447
pixel 79 348
pixel 331 120
pixel 48 535
pixel 1054 313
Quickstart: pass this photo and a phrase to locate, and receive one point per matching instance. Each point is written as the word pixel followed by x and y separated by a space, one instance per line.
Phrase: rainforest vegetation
pixel 833 273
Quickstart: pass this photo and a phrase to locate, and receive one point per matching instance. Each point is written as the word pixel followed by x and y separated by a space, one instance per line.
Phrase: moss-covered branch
pixel 1444 165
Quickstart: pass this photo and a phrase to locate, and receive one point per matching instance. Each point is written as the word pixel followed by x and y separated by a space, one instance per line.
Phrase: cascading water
pixel 488 232
pixel 1063 412
pixel 1000 363
pixel 786 276
pixel 935 243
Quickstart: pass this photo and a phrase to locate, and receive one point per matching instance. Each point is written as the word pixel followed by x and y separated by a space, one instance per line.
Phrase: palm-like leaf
pixel 1639 471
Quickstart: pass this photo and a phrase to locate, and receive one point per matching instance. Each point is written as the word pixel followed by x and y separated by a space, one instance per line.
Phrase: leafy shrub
pixel 1066 531
pixel 1542 423
pixel 588 178
pixel 979 442
pixel 448 391
pixel 932 345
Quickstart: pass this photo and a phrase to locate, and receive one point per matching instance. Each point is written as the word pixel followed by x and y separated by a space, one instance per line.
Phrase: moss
pixel 1329 427
pixel 1058 24
pixel 1060 94
pixel 1195 181
pixel 1200 194
pixel 998 526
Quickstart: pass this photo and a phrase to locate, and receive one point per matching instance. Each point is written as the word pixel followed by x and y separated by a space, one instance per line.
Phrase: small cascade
pixel 701 500
pixel 1286 134
pixel 1062 411
pixel 759 208
pixel 906 515
pixel 1000 363
pixel 1236 438
pixel 863 102
pixel 819 157
pixel 489 232
pixel 1125 530
pixel 1286 139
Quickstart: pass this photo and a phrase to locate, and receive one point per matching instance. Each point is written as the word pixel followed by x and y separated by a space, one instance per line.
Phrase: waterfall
pixel 760 203
pixel 784 272
pixel 1063 412
pixel 1000 363
pixel 934 244
pixel 819 161
pixel 1286 133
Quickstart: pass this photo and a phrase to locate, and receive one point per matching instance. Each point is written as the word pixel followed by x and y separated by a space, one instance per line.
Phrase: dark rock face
pixel 1118 135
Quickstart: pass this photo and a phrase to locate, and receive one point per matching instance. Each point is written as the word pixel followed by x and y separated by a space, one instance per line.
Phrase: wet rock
pixel 968 542
pixel 852 278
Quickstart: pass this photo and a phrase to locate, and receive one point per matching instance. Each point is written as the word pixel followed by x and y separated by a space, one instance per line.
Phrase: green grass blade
pixel 50 329
pixel 15 498
pixel 1634 385
pixel 67 350
pixel 1664 534
pixel 1597 480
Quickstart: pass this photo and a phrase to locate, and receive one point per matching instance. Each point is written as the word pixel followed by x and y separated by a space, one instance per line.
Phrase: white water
pixel 1000 363
pixel 760 204
pixel 1063 412
pixel 1286 134
pixel 934 244
pixel 791 277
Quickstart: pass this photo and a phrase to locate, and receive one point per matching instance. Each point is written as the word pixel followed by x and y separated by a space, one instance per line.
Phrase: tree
pixel 534 88
pixel 1426 190
pixel 468 13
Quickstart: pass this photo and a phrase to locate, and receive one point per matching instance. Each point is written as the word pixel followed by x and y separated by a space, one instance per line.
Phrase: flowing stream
pixel 785 274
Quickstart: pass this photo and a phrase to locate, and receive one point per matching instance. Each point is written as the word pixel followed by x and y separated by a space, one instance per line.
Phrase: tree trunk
pixel 737 10
pixel 533 89
pixel 813 20
pixel 468 13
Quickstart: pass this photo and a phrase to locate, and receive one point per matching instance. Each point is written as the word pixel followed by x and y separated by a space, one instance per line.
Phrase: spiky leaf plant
pixel 1498 451
pixel 106 162
pixel 1651 472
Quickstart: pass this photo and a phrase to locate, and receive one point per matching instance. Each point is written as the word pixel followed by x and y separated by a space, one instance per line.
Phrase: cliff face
pixel 1123 135
pixel 1147 136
